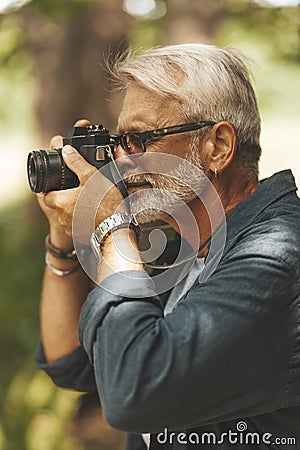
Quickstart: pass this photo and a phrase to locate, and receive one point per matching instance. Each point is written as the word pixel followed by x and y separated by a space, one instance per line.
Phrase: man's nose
pixel 119 152
pixel 126 163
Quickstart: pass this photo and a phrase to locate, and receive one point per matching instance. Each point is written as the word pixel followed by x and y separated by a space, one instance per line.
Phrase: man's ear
pixel 220 146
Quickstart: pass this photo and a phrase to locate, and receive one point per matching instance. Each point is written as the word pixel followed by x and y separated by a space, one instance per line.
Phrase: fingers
pixel 57 141
pixel 82 123
pixel 41 202
pixel 63 204
pixel 41 198
pixel 75 161
pixel 78 164
pixel 60 199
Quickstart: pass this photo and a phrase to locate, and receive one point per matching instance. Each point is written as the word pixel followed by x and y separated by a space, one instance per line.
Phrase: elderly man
pixel 218 362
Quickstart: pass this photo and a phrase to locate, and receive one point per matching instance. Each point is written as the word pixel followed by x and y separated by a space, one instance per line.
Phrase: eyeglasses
pixel 134 143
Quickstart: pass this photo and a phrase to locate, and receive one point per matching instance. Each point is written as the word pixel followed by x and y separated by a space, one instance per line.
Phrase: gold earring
pixel 216 172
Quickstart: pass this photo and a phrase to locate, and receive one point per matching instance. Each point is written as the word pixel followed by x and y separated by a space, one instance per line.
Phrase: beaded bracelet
pixel 57 252
pixel 59 272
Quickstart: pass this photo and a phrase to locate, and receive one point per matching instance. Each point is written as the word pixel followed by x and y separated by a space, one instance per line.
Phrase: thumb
pixel 77 163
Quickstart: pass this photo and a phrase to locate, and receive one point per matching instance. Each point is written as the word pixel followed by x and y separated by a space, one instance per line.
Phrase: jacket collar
pixel 269 191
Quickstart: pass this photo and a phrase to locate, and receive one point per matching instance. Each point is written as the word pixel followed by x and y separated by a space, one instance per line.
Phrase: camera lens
pixel 47 171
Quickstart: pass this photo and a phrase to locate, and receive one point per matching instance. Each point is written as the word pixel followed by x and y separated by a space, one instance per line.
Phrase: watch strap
pixel 111 224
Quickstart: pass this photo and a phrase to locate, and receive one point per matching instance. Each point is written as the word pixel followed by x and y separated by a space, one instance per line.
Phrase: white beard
pixel 168 191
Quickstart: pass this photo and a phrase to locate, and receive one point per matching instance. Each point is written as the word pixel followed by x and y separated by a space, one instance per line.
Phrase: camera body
pixel 47 170
pixel 93 142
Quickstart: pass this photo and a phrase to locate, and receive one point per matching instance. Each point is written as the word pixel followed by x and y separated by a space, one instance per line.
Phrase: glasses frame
pixel 144 136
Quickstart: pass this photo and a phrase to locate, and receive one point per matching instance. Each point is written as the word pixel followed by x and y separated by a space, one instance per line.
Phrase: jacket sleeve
pixel 224 352
pixel 71 372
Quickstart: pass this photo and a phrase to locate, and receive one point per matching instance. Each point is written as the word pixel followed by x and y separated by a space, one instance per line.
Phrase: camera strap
pixel 117 178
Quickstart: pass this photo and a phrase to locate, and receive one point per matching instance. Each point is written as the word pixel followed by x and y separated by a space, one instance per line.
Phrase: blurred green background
pixel 51 53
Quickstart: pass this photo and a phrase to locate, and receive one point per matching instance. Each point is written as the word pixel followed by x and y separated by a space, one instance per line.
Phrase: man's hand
pixel 59 205
pixel 57 232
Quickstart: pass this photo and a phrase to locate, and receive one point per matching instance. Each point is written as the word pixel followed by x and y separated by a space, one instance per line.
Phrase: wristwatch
pixel 107 226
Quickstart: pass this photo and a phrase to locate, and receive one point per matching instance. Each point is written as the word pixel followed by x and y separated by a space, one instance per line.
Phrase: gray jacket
pixel 225 364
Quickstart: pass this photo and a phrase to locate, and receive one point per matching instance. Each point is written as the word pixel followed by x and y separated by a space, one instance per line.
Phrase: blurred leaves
pixel 21 265
pixel 37 414
pixel 57 9
pixel 16 86
pixel 278 28
pixel 10 40
pixel 34 414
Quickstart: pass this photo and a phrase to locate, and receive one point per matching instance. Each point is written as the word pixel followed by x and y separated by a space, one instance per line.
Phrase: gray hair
pixel 209 83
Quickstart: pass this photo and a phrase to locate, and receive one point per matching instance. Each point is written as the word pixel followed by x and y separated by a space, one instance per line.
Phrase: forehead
pixel 144 109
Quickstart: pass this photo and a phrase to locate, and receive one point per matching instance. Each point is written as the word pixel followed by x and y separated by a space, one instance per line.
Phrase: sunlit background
pixel 273 45
pixel 51 57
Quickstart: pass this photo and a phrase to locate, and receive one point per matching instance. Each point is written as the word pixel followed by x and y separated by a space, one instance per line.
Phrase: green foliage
pixel 33 413
pixel 10 40
pixel 270 37
pixel 276 28
pixel 21 266
pixel 37 414
pixel 16 84
pixel 146 33
pixel 57 10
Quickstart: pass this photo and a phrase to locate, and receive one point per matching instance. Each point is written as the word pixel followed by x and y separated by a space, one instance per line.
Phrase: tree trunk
pixel 67 57
pixel 193 21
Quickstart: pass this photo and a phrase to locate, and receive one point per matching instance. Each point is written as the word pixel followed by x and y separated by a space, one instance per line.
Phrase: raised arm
pixel 62 296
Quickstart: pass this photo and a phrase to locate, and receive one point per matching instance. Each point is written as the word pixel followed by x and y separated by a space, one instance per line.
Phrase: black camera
pixel 46 168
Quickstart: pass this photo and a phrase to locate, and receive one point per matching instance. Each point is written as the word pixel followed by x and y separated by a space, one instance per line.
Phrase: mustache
pixel 138 179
